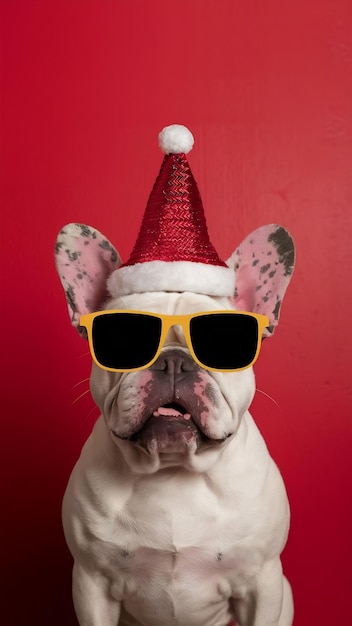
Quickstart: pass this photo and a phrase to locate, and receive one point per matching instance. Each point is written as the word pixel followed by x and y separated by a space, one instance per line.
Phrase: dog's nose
pixel 174 362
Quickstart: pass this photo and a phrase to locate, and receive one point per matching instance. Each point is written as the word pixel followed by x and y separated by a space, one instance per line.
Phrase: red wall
pixel 266 88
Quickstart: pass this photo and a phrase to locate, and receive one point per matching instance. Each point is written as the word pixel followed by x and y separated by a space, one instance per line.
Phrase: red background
pixel 266 88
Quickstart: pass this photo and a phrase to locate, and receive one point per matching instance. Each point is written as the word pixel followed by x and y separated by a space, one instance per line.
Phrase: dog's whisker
pixel 90 413
pixel 267 395
pixel 80 396
pixel 81 356
pixel 84 380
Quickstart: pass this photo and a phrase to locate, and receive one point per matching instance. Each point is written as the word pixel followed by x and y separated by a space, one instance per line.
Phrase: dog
pixel 175 513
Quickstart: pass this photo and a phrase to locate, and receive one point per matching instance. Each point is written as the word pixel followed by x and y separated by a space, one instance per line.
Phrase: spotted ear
pixel 84 261
pixel 263 264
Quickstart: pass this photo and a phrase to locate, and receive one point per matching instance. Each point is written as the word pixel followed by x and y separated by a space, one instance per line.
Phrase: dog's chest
pixel 162 543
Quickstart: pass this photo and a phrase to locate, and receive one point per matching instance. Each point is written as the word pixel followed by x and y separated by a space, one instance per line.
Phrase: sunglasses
pixel 220 341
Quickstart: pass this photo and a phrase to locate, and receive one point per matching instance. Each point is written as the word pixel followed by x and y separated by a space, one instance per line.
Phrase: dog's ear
pixel 263 264
pixel 84 261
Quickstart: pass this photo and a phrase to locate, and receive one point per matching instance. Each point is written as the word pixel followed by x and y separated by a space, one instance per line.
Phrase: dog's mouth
pixel 170 428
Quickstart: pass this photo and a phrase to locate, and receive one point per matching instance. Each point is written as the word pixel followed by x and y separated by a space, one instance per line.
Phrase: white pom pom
pixel 176 139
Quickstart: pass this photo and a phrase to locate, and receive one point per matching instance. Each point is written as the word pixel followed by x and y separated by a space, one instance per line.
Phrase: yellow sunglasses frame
pixel 167 322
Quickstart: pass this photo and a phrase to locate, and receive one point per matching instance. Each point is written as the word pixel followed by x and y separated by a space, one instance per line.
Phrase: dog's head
pixel 175 412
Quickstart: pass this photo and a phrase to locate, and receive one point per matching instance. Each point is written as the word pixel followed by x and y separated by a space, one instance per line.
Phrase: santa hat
pixel 173 251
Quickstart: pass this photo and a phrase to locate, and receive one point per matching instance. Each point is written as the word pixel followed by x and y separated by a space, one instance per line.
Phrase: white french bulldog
pixel 175 513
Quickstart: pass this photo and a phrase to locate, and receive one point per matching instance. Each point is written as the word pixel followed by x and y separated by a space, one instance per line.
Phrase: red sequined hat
pixel 173 251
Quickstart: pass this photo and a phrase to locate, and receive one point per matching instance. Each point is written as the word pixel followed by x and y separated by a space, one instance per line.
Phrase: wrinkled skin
pixel 214 404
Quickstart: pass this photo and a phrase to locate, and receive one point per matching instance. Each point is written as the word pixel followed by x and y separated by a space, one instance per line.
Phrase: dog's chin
pixel 169 434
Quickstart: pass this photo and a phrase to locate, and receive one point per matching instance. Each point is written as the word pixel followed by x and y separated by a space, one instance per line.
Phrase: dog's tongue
pixel 166 411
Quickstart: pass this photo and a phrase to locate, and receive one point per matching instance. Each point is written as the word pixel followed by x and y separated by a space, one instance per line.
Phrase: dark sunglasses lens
pixel 125 340
pixel 224 341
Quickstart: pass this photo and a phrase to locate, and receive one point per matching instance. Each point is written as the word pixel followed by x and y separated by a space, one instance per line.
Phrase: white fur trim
pixel 176 139
pixel 211 280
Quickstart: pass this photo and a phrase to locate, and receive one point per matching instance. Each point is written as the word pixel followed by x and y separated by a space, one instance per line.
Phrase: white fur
pixel 213 280
pixel 176 139
pixel 184 539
